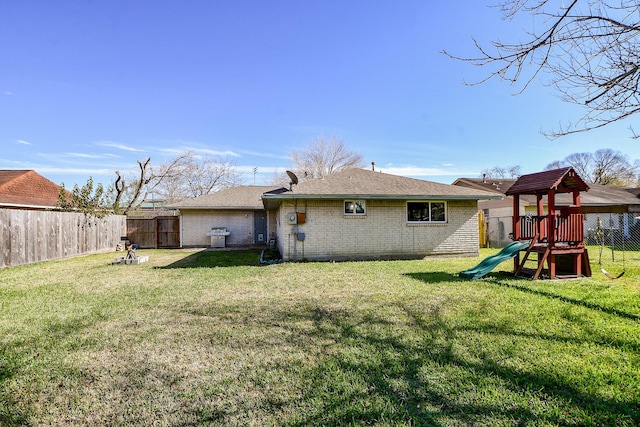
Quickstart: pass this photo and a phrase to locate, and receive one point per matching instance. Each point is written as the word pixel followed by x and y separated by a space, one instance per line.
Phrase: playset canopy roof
pixel 564 180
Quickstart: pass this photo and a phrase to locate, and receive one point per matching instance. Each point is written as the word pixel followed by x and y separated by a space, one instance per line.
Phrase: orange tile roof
pixel 27 188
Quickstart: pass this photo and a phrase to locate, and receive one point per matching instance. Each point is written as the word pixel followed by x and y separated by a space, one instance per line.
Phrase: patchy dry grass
pixel 211 338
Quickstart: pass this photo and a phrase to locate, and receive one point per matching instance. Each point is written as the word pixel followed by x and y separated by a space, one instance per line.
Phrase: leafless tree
pixel 502 172
pixel 194 176
pixel 556 164
pixel 604 167
pixel 279 178
pixel 591 50
pixel 324 156
pixel 129 196
pixel 583 163
pixel 186 175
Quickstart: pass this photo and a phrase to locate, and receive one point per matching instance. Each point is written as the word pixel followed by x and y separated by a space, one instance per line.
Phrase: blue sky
pixel 89 87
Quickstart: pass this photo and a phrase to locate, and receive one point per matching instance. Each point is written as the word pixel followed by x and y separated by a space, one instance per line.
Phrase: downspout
pixel 295 241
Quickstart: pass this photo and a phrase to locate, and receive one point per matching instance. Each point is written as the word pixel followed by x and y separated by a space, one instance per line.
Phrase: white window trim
pixel 354 201
pixel 446 212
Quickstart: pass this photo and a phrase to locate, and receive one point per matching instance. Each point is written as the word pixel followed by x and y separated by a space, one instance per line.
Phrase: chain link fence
pixel 613 239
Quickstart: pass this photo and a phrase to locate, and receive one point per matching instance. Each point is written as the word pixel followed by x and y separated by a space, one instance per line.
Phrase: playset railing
pixel 568 228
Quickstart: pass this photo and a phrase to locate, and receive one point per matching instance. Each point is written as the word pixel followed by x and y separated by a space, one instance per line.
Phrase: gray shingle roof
pixel 242 197
pixel 598 195
pixel 363 183
pixel 495 185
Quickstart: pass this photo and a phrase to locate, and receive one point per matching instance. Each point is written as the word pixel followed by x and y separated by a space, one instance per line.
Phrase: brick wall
pixel 382 233
pixel 195 223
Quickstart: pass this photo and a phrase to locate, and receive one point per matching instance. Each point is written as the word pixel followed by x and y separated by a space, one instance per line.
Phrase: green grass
pixel 211 338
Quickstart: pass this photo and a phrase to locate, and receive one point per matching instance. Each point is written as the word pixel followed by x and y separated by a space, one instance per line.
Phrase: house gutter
pixel 269 200
pixel 381 197
pixel 219 208
pixel 20 206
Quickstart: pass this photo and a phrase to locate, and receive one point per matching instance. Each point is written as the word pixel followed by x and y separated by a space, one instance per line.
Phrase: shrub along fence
pixel 28 236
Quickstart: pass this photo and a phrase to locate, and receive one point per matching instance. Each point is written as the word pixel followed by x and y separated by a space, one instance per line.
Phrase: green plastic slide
pixel 489 263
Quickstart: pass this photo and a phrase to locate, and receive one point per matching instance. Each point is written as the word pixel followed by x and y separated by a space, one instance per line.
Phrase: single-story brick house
pixel 238 209
pixel 362 214
pixel 351 215
pixel 26 189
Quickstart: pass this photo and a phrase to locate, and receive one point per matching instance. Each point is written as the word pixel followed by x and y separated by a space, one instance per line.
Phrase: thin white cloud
pixel 211 152
pixel 68 175
pixel 172 150
pixel 264 154
pixel 76 157
pixel 180 147
pixel 422 171
pixel 73 171
pixel 23 142
pixel 90 156
pixel 8 93
pixel 14 164
pixel 119 146
pixel 200 151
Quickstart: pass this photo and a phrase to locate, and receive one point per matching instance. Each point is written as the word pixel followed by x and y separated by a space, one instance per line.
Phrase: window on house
pixel 354 207
pixel 427 212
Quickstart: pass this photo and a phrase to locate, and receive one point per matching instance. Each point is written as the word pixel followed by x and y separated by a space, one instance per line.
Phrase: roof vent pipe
pixel 373 166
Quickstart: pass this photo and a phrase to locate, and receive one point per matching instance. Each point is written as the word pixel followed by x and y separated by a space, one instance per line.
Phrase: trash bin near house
pixel 218 237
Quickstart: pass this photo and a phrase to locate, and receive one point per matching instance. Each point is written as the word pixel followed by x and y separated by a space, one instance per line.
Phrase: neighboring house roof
pixel 496 185
pixel 563 180
pixel 27 189
pixel 152 204
pixel 241 197
pixel 366 184
pixel 597 196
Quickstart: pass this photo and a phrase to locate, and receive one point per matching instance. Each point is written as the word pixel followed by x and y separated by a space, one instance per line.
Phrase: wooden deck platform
pixel 562 261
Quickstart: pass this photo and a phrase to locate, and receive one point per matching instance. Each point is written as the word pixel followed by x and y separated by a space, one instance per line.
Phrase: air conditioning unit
pixel 292 218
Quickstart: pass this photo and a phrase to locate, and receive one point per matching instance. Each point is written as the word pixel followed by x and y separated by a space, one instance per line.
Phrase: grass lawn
pixel 211 338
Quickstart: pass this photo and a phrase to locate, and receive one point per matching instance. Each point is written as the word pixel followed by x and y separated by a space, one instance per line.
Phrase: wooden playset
pixel 557 235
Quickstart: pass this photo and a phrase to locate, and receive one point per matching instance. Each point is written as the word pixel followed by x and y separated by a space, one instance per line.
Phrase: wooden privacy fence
pixel 28 236
pixel 161 232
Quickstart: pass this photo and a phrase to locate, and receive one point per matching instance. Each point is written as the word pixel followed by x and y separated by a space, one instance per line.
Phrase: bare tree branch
pixel 186 175
pixel 498 172
pixel 138 186
pixel 604 167
pixel 590 50
pixel 190 175
pixel 325 156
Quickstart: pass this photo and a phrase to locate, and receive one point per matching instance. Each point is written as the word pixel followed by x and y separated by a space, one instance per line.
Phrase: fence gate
pixel 167 232
pixel 161 232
